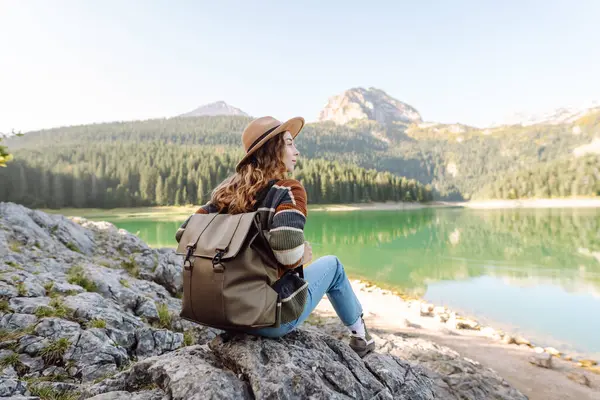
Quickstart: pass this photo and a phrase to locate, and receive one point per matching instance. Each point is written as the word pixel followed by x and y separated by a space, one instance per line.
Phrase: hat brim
pixel 293 126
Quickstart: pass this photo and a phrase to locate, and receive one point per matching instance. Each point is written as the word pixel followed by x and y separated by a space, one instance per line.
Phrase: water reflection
pixel 410 249
pixel 535 271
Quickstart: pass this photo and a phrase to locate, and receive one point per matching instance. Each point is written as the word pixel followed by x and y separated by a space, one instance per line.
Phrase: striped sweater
pixel 283 212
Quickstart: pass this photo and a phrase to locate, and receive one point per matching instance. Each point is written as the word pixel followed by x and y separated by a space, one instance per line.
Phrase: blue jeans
pixel 324 276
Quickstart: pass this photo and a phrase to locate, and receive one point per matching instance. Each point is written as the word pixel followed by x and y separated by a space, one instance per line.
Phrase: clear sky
pixel 476 62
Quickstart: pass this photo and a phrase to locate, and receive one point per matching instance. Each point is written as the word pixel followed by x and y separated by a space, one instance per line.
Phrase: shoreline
pixel 475 204
pixel 387 311
pixel 533 203
pixel 170 212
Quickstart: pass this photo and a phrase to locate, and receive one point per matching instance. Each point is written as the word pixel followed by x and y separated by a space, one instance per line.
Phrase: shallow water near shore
pixel 534 272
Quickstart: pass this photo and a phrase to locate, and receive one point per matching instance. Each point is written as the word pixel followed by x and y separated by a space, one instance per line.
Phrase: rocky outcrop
pixel 90 311
pixel 368 104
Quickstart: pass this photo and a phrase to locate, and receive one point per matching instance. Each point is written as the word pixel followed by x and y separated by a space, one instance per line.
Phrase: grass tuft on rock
pixel 188 338
pixel 56 308
pixel 5 307
pixel 125 283
pixel 6 335
pixel 77 276
pixel 73 247
pixel 165 318
pixel 97 323
pixel 49 393
pixel 14 246
pixel 14 361
pixel 48 286
pixel 54 352
pixel 21 289
pixel 131 267
pixel 44 311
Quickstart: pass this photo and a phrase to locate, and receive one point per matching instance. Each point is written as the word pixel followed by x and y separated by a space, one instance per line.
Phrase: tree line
pixel 576 176
pixel 109 175
pixel 455 160
pixel 5 156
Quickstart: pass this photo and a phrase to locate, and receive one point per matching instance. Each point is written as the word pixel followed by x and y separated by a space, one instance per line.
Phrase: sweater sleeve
pixel 287 228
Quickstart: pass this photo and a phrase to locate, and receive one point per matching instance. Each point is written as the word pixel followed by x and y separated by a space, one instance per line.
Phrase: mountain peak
pixel 368 104
pixel 216 108
pixel 562 115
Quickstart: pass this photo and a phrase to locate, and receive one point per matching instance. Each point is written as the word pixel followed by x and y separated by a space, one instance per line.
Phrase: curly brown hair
pixel 237 193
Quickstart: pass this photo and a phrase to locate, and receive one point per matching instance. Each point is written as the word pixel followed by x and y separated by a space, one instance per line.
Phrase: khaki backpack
pixel 230 274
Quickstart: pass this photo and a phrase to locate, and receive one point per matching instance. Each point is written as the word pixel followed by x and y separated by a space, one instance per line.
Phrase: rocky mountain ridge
pixel 561 115
pixel 368 104
pixel 216 108
pixel 90 311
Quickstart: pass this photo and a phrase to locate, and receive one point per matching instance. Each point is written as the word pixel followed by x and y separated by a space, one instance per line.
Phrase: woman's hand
pixel 307 257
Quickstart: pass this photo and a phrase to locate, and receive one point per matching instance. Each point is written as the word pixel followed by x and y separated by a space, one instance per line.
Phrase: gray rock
pixel 124 395
pixel 13 322
pixel 23 228
pixel 33 364
pixel 8 373
pixel 23 398
pixel 73 236
pixel 8 290
pixel 28 305
pixel 124 339
pixel 32 345
pixel 404 380
pixel 168 273
pixel 151 342
pixel 56 328
pixel 113 242
pixel 301 365
pixel 88 306
pixel 66 288
pixel 138 300
pixel 54 371
pixel 95 355
pixel 147 309
pixel 12 387
pixel 33 287
pixel 191 373
pixel 146 261
pixel 6 353
pixel 543 360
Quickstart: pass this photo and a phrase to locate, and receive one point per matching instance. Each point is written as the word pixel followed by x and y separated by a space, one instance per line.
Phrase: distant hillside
pixel 456 160
pixel 566 177
pixel 213 109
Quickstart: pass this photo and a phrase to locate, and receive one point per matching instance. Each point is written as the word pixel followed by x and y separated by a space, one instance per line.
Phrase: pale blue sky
pixel 475 62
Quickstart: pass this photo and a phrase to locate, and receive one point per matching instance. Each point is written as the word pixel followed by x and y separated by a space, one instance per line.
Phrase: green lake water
pixel 529 272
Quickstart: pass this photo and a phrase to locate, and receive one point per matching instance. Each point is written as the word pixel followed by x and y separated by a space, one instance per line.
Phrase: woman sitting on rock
pixel 270 156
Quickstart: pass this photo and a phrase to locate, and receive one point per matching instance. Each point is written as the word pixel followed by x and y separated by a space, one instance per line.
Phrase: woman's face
pixel 290 155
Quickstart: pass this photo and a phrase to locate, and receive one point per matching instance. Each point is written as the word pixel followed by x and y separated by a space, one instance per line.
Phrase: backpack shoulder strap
pixel 262 194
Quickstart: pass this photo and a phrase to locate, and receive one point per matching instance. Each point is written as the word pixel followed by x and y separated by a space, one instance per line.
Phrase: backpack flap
pixel 213 233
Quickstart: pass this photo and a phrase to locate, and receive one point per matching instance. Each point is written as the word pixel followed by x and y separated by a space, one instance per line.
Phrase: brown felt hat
pixel 259 131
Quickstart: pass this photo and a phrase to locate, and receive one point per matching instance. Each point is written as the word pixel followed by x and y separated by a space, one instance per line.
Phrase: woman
pixel 271 154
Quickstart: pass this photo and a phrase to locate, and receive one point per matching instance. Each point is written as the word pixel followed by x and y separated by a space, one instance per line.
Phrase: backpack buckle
pixel 187 263
pixel 216 261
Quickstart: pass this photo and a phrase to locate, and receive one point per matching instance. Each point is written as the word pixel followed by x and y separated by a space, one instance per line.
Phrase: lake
pixel 534 272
